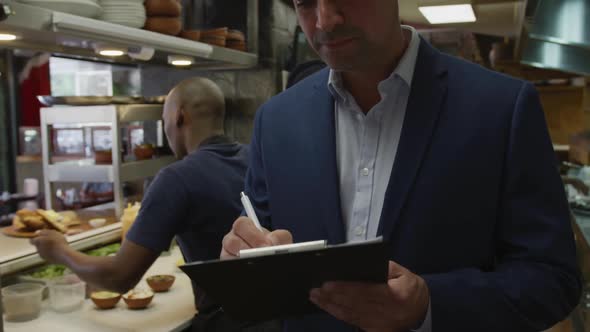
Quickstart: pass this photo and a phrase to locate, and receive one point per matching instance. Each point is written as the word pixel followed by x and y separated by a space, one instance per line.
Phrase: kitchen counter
pixel 169 311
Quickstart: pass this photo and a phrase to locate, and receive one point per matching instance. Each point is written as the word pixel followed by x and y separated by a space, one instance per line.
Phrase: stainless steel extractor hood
pixel 559 36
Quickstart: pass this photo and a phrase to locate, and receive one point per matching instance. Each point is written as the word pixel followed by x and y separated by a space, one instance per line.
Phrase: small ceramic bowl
pixel 97 222
pixel 160 283
pixel 102 157
pixel 143 152
pixel 105 300
pixel 138 299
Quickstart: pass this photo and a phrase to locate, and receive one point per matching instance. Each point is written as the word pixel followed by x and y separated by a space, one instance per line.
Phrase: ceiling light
pixel 7 37
pixel 113 53
pixel 448 13
pixel 110 51
pixel 180 61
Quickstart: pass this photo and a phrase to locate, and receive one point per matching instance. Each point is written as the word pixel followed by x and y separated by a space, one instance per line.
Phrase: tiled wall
pixel 245 90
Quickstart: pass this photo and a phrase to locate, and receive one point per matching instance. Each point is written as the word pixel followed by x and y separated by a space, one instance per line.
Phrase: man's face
pixel 171 129
pixel 350 35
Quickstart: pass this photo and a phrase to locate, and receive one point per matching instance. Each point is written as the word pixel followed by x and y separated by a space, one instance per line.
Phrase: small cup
pixel 138 299
pixel 22 302
pixel 160 283
pixel 105 300
pixel 97 222
pixel 66 294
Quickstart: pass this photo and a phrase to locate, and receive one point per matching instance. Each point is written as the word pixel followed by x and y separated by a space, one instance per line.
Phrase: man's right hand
pixel 245 235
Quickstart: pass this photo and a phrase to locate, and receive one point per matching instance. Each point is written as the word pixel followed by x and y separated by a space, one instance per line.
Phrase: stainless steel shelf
pixel 45 30
pixel 78 171
pixel 101 113
pixel 144 168
pixel 86 171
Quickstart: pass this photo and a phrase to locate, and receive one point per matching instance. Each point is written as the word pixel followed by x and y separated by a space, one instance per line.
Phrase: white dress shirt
pixel 366 145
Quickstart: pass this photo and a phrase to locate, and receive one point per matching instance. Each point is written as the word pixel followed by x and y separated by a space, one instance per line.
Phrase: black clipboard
pixel 277 286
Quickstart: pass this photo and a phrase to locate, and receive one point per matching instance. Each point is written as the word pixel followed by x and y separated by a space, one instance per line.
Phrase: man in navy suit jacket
pixel 461 181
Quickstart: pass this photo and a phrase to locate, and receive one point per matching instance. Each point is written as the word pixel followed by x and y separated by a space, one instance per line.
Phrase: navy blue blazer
pixel 474 204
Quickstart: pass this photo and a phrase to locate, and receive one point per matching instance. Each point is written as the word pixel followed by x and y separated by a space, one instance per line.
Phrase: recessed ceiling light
pixel 448 14
pixel 7 37
pixel 110 50
pixel 112 53
pixel 180 61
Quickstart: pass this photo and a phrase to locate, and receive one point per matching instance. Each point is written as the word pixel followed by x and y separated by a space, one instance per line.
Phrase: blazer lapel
pixel 322 147
pixel 427 94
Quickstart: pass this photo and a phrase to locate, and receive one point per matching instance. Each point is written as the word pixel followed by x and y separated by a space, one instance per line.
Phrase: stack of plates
pixel 130 13
pixel 86 8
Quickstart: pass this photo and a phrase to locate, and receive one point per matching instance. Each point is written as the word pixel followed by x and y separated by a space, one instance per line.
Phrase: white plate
pixel 84 8
pixel 124 15
pixel 128 23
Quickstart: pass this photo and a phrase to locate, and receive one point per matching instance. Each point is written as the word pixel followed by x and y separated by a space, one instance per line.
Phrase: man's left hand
pixel 51 245
pixel 399 305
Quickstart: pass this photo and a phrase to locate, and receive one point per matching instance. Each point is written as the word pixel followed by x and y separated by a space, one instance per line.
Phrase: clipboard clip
pixel 283 249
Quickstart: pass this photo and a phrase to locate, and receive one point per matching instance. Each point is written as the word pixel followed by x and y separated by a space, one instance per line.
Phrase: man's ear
pixel 180 118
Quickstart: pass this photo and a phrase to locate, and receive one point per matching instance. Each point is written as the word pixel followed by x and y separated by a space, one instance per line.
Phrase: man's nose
pixel 328 15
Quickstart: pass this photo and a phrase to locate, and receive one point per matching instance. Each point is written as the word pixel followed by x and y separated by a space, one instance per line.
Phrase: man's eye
pixel 303 3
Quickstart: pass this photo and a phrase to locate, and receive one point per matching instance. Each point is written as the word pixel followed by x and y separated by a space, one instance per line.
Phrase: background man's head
pixel 194 110
pixel 351 35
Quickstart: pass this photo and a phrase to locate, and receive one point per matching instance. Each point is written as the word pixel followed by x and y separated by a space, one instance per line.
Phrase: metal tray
pixel 99 100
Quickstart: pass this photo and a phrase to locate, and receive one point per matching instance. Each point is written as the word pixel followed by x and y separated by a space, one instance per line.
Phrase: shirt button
pixel 359 231
pixel 365 171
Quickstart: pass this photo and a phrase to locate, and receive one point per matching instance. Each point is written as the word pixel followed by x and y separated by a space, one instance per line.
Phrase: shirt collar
pixel 404 69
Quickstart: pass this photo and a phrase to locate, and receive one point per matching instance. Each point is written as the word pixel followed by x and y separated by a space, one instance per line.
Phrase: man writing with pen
pixel 450 163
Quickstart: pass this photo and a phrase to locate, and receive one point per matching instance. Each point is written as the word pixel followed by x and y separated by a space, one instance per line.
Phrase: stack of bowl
pixel 164 16
pixel 129 13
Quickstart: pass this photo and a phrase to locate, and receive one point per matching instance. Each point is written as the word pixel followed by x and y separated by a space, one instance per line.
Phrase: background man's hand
pixel 244 235
pixel 50 244
pixel 399 305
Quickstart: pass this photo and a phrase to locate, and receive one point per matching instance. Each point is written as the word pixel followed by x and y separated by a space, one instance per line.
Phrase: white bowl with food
pixel 97 222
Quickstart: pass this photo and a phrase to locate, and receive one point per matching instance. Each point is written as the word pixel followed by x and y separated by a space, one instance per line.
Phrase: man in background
pixel 195 199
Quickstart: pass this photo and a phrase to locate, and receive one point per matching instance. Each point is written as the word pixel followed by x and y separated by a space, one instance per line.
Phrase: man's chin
pixel 340 63
pixel 340 66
